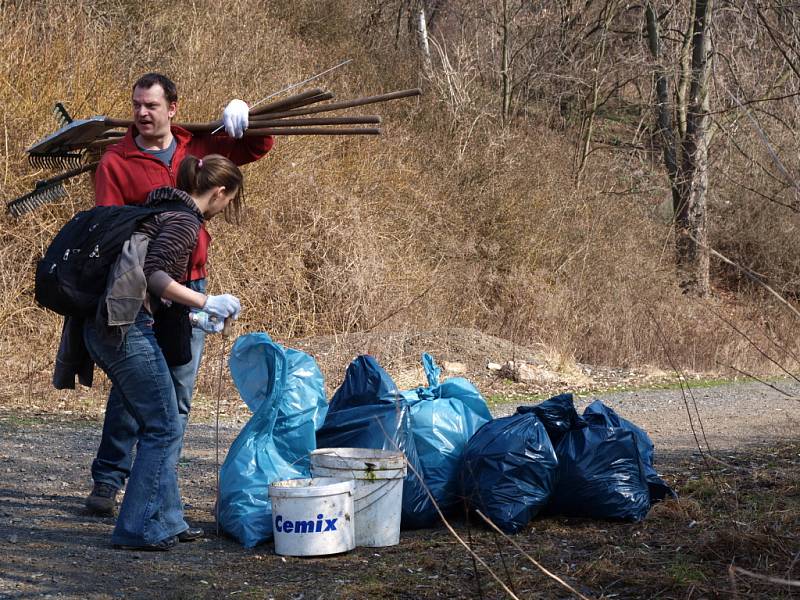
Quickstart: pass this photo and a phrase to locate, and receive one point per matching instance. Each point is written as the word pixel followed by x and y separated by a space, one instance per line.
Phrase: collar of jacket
pixel 170 194
pixel 129 148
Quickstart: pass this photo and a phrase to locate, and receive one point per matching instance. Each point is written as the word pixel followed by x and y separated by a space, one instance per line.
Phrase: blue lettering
pixel 284 526
pixel 304 526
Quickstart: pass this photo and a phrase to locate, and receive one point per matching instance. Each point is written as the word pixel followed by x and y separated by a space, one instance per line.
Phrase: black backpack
pixel 71 278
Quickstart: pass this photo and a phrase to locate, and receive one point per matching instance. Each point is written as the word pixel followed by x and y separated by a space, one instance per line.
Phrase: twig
pixel 474 562
pixel 530 558
pixel 749 274
pixel 776 580
pixel 766 383
pixel 752 343
pixel 682 379
pixel 444 520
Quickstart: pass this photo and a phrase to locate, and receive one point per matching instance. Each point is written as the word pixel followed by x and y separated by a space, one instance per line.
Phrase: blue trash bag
pixel 510 470
pixel 600 475
pixel 368 411
pixel 285 390
pixel 599 414
pixel 558 415
pixel 444 416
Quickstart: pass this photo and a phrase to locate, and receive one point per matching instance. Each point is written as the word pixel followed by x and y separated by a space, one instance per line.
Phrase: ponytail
pixel 198 175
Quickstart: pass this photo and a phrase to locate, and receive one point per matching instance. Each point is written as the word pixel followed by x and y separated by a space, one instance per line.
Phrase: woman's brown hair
pixel 197 176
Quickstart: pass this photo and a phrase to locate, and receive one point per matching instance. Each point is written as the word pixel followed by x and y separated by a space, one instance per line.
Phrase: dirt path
pixel 49 547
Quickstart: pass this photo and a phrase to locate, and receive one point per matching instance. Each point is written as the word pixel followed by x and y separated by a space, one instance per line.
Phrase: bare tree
pixel 686 141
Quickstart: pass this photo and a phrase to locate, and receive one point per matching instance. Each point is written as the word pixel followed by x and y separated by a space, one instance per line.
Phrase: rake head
pixel 43 194
pixel 55 160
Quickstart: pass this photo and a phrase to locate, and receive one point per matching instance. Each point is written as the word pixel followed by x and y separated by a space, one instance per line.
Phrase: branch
pixel 776 580
pixel 530 558
pixel 750 274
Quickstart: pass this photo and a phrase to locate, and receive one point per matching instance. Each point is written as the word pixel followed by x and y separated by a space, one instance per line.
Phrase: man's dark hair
pixel 150 79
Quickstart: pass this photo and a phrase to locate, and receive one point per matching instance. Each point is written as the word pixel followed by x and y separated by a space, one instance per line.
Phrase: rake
pixel 46 191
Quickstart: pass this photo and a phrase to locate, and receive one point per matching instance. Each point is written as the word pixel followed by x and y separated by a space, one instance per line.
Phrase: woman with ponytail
pixel 151 515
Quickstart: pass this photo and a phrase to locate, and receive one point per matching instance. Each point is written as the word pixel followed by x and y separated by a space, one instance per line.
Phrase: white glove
pixel 207 322
pixel 235 117
pixel 223 306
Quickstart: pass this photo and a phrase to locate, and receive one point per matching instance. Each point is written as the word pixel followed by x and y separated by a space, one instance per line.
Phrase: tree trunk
pixel 663 108
pixel 505 76
pixel 690 214
pixel 687 164
pixel 422 39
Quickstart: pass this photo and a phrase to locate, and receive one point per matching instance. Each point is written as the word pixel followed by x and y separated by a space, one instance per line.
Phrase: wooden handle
pixel 313 131
pixel 227 327
pixel 291 101
pixel 355 120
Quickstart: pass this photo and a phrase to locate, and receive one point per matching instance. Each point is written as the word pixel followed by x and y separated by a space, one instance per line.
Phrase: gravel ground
pixel 49 546
pixel 732 416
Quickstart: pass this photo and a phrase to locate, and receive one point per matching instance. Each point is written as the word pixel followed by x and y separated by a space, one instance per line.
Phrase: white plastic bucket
pixel 312 517
pixel 378 475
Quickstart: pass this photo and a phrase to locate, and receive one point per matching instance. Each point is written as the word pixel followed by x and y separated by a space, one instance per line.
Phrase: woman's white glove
pixel 206 322
pixel 223 306
pixel 236 117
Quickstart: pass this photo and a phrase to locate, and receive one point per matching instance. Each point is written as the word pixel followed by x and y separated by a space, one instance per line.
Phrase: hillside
pixel 458 216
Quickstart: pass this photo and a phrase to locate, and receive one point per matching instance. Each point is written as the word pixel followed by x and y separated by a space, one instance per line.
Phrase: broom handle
pixel 313 131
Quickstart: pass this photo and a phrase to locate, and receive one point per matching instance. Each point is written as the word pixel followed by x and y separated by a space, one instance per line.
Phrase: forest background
pixel 527 193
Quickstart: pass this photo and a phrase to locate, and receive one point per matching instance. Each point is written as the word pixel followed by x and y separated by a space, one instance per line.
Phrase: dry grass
pixel 447 220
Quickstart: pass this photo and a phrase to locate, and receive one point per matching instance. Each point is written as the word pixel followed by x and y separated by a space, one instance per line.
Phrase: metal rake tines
pixel 62 116
pixel 41 195
pixel 55 160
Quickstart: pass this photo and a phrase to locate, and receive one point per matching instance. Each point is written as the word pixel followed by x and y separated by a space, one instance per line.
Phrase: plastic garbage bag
pixel 368 411
pixel 444 416
pixel 510 470
pixel 600 475
pixel 599 414
pixel 557 414
pixel 285 390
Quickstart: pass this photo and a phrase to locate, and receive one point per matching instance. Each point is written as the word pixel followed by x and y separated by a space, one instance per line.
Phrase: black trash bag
pixel 510 470
pixel 368 411
pixel 558 415
pixel 599 414
pixel 600 475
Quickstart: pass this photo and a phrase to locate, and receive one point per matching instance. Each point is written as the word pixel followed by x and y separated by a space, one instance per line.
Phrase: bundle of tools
pixel 80 142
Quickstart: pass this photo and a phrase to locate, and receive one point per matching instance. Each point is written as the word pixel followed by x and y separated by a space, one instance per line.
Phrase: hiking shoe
pixel 162 546
pixel 103 500
pixel 191 534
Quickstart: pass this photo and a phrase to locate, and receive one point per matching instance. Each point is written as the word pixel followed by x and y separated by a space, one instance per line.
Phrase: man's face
pixel 152 112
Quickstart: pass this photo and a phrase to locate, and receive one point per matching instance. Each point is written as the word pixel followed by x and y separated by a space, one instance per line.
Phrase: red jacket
pixel 126 175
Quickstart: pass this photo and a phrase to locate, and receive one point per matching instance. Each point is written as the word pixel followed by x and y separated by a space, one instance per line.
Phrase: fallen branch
pixel 530 558
pixel 776 580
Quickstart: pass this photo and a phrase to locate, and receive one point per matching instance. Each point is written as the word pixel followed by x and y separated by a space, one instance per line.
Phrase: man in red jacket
pixel 148 157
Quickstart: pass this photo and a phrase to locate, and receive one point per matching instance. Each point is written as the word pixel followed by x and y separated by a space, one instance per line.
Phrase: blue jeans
pixel 151 510
pixel 112 465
